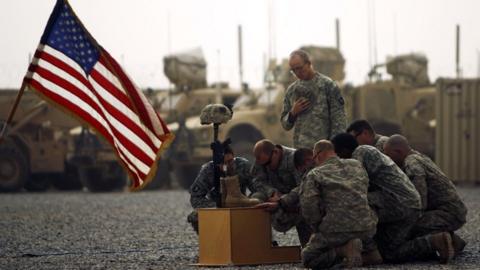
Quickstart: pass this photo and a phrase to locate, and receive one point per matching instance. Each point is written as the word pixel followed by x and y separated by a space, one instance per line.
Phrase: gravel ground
pixel 144 230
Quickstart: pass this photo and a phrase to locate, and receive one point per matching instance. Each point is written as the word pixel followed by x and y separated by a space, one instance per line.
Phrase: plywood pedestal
pixel 239 236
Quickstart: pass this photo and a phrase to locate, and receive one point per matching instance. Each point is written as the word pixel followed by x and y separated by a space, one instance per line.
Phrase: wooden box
pixel 239 236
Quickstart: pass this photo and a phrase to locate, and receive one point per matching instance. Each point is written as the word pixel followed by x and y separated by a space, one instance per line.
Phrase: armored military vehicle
pixel 45 146
pixel 256 116
pixel 403 103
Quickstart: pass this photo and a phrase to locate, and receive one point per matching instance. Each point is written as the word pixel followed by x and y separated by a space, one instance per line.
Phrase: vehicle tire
pixel 14 169
pixel 39 182
pixel 243 142
pixel 186 174
pixel 70 179
pixel 162 180
pixel 103 177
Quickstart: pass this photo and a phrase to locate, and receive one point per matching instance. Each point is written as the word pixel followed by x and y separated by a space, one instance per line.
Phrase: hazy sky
pixel 139 33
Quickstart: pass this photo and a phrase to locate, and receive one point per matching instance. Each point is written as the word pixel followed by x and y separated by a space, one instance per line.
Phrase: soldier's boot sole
pixel 351 253
pixel 442 243
pixel 372 258
pixel 458 243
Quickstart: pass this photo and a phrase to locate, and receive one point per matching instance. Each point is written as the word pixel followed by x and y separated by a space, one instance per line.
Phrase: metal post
pixel 457 53
pixel 240 56
pixel 337 31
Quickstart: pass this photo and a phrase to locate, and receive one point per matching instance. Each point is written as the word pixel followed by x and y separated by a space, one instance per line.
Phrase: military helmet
pixel 215 114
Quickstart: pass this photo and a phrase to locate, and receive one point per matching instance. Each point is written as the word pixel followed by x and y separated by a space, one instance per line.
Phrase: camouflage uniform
pixel 283 180
pixel 397 204
pixel 324 119
pixel 334 203
pixel 443 208
pixel 379 141
pixel 202 187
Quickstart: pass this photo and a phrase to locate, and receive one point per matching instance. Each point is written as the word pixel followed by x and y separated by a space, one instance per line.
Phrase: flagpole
pixel 12 111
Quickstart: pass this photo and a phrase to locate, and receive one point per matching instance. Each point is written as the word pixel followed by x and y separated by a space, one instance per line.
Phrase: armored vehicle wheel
pixel 14 169
pixel 244 138
pixel 244 149
pixel 70 180
pixel 38 182
pixel 162 179
pixel 186 174
pixel 103 177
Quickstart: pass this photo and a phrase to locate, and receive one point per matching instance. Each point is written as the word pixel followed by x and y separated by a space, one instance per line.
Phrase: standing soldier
pixel 443 210
pixel 333 199
pixel 364 134
pixel 313 104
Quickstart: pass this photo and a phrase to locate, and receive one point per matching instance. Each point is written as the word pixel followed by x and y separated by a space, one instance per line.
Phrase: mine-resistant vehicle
pixel 44 146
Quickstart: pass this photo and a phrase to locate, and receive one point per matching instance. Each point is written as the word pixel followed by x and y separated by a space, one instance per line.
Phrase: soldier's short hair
pixel 398 141
pixel 323 145
pixel 300 155
pixel 265 146
pixel 302 54
pixel 344 142
pixel 359 126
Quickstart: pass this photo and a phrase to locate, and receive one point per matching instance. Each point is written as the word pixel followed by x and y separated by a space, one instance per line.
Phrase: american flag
pixel 72 71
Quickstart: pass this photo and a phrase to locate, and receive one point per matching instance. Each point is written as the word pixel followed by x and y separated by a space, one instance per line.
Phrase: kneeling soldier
pixel 443 210
pixel 201 195
pixel 333 199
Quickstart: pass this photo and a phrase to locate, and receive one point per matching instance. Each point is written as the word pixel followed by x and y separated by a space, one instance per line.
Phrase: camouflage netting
pixel 409 68
pixel 187 70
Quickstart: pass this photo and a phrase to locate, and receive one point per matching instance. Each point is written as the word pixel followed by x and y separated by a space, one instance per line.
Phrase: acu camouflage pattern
pixel 283 180
pixel 200 191
pixel 387 179
pixel 215 114
pixel 379 142
pixel 333 197
pixel 443 208
pixel 320 250
pixel 324 119
pixel 334 203
pixel 397 204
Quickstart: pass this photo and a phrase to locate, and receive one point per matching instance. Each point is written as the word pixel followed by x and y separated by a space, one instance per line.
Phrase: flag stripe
pixel 65 100
pixel 73 71
pixel 130 88
pixel 145 134
pixel 62 78
pixel 128 117
pixel 58 86
pixel 114 90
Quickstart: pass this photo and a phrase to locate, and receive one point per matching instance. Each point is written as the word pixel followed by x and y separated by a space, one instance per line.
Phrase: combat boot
pixel 351 253
pixel 233 197
pixel 442 244
pixel 372 258
pixel 458 243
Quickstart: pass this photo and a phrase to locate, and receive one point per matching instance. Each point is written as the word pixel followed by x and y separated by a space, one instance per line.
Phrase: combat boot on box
pixel 351 253
pixel 442 244
pixel 235 198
